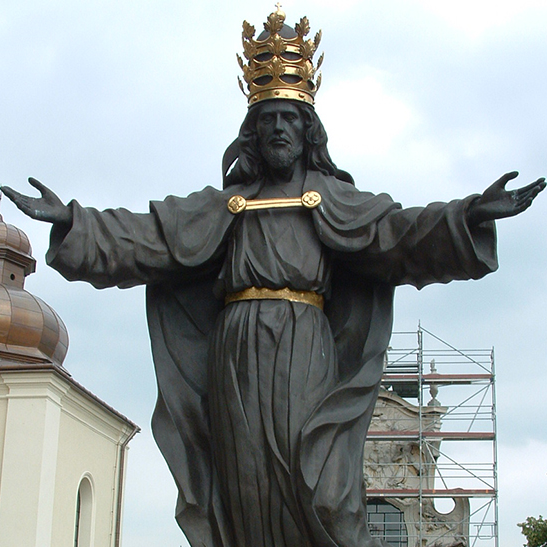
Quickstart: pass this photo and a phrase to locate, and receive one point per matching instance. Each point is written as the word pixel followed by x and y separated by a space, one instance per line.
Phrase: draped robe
pixel 263 406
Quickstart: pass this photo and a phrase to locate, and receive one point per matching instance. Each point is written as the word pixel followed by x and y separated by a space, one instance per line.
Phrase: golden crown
pixel 280 61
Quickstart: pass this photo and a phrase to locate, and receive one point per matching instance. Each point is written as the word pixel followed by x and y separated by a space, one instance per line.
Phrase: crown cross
pixel 280 62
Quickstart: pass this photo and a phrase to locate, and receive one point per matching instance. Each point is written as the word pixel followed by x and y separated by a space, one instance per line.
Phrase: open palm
pixel 48 207
pixel 497 202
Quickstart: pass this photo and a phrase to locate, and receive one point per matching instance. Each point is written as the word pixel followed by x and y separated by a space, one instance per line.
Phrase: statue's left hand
pixel 497 202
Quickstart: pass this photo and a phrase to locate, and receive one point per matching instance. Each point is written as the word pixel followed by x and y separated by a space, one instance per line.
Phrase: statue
pixel 269 306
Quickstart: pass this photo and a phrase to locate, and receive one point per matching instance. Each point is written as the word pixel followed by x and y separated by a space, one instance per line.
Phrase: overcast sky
pixel 117 103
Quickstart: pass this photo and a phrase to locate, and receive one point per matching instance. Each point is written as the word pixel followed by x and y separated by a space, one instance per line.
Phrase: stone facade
pixel 401 464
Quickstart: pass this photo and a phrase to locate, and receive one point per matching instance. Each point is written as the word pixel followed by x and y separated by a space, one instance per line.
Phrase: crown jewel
pixel 280 61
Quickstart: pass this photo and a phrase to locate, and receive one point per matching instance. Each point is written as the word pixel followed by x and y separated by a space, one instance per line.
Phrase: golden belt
pixel 262 293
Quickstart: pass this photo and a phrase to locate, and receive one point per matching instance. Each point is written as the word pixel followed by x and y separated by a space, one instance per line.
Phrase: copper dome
pixel 30 330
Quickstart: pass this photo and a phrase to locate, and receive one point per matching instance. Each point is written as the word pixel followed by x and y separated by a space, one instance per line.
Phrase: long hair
pixel 249 166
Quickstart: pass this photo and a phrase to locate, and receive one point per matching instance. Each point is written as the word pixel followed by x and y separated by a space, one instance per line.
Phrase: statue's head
pixel 263 132
pixel 281 124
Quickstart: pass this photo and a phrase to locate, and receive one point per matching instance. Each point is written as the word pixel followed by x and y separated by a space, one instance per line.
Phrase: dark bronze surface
pixel 264 405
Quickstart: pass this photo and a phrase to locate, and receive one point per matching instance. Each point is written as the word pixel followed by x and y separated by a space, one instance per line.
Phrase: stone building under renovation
pixel 430 456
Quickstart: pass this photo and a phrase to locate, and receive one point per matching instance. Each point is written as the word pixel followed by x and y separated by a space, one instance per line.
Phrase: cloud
pixel 369 126
pixel 523 483
pixel 475 18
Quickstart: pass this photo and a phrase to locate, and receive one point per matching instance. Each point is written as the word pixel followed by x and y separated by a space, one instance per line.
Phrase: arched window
pixel 84 514
pixel 386 521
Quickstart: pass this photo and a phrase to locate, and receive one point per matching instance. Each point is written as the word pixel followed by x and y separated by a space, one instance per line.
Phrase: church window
pixel 84 514
pixel 386 521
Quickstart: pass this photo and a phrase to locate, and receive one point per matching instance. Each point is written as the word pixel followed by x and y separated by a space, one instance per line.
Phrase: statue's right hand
pixel 48 208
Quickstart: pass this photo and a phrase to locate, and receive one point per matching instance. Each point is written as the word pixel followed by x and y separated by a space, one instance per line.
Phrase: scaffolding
pixel 430 456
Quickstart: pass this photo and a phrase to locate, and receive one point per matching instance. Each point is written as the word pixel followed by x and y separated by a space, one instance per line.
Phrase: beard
pixel 281 157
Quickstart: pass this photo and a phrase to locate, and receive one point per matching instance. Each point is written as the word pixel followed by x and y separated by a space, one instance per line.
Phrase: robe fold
pixel 263 406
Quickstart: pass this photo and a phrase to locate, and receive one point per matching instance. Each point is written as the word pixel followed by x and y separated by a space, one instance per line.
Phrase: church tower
pixel 62 449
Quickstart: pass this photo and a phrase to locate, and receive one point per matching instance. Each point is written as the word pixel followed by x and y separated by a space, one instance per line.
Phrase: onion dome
pixel 30 330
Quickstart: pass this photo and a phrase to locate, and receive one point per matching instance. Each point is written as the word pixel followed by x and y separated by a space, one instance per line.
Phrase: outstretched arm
pixel 497 202
pixel 108 248
pixel 47 208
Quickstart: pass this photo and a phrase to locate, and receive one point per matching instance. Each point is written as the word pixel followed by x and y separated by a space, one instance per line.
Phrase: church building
pixel 62 450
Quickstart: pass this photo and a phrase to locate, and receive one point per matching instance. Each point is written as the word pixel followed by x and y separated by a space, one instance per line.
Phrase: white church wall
pixel 53 435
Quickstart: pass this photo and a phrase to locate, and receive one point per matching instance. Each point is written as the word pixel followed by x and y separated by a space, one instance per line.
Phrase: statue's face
pixel 280 129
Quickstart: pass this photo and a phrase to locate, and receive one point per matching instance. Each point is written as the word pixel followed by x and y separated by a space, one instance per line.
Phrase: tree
pixel 535 531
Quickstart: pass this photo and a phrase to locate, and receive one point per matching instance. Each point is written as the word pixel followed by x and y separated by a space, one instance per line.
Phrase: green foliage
pixel 535 531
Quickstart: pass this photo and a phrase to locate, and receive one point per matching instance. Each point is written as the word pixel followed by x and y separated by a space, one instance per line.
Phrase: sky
pixel 117 103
